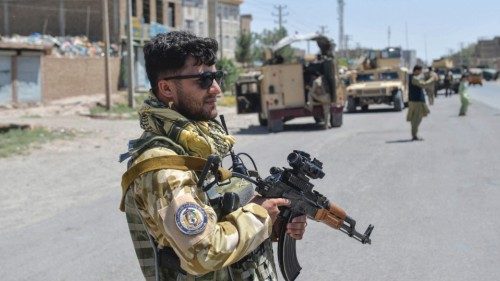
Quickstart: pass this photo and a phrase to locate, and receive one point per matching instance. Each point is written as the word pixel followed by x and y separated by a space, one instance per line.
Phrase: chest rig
pixel 163 264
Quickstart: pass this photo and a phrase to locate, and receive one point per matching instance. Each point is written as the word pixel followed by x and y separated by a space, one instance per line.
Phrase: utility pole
pixel 406 36
pixel 340 11
pixel 221 37
pixel 105 34
pixel 45 23
pixel 130 57
pixel 323 29
pixel 6 18
pixel 88 22
pixel 280 15
pixel 425 48
pixel 389 36
pixel 62 19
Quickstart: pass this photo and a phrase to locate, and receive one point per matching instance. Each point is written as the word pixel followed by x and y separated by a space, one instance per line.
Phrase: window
pixel 159 11
pixel 365 77
pixel 171 15
pixel 190 25
pixel 145 11
pixel 134 8
pixel 201 30
pixel 389 76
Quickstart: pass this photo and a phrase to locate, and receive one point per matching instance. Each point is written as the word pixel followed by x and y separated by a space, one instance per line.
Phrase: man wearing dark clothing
pixel 417 108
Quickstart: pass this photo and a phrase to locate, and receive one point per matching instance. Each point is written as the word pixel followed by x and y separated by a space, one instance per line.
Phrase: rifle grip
pixel 334 216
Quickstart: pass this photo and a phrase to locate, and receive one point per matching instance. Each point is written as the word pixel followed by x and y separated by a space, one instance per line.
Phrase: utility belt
pixel 167 258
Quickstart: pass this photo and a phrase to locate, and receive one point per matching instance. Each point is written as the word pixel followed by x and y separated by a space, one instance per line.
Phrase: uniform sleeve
pixel 175 214
pixel 417 82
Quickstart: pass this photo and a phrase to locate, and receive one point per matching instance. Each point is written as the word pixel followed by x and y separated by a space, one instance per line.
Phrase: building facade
pixel 487 53
pixel 195 14
pixel 246 23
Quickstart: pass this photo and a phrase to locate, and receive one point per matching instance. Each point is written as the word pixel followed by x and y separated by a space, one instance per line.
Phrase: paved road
pixel 434 203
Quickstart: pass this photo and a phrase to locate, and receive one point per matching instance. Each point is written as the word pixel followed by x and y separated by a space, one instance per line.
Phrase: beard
pixel 194 109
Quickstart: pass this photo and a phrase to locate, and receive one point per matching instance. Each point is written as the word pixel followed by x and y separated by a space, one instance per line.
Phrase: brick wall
pixel 69 77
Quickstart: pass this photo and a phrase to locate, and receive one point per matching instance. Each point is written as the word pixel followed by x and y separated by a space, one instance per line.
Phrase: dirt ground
pixel 61 166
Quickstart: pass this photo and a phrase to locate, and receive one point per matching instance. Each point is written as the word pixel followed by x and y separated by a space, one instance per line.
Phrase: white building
pixel 195 16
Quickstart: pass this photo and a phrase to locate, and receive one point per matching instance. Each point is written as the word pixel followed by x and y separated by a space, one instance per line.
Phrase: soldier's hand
pixel 297 227
pixel 271 205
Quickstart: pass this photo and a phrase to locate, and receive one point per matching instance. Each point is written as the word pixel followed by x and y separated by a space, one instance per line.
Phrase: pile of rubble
pixel 69 46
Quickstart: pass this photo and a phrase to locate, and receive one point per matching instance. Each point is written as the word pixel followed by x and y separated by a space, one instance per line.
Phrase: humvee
pixel 379 79
pixel 278 90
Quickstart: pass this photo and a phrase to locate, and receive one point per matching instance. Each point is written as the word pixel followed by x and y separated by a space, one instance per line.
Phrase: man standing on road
pixel 464 95
pixel 431 88
pixel 318 94
pixel 177 233
pixel 417 108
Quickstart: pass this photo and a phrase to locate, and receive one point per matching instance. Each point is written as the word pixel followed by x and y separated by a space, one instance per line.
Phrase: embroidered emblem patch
pixel 191 219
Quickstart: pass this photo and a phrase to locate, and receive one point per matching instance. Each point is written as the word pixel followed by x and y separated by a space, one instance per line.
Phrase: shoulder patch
pixel 191 219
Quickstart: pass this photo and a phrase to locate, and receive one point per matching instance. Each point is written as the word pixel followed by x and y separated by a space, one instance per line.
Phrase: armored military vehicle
pixel 378 79
pixel 443 67
pixel 278 90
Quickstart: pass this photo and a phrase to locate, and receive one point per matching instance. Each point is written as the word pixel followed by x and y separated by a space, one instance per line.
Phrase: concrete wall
pixel 69 77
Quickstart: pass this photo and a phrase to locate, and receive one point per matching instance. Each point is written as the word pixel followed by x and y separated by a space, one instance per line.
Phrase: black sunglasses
pixel 205 79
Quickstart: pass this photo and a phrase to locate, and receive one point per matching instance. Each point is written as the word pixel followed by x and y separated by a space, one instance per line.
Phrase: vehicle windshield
pixel 389 76
pixel 365 77
pixel 456 71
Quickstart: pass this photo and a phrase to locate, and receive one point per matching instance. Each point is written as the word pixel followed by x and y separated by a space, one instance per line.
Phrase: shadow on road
pixel 399 141
pixel 373 111
pixel 260 130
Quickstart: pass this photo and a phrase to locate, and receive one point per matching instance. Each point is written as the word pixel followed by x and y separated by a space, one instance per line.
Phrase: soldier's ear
pixel 166 90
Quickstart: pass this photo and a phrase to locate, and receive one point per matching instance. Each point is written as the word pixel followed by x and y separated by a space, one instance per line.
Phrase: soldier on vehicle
pixel 177 233
pixel 417 108
pixel 318 94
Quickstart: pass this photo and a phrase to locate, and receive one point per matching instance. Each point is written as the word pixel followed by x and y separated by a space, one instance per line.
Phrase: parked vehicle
pixel 379 79
pixel 475 76
pixel 278 90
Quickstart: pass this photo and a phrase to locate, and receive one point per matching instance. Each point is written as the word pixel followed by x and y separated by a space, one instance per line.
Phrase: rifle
pixel 293 184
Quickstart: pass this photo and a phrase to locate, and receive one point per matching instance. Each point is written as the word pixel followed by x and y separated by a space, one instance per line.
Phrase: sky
pixel 435 27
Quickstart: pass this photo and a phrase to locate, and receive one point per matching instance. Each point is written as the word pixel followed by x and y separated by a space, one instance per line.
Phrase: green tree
pixel 232 72
pixel 243 51
pixel 267 38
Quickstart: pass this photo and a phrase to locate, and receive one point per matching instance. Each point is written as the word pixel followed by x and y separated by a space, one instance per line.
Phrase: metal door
pixel 5 79
pixel 28 79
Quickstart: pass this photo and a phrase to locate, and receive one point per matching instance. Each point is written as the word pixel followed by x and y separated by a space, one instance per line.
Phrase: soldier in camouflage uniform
pixel 177 234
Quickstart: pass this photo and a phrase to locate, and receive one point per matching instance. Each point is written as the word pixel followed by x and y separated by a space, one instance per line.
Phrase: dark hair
pixel 430 68
pixel 168 52
pixel 417 67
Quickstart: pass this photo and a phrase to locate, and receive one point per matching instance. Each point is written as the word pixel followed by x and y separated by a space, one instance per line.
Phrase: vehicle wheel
pixel 275 125
pixel 398 101
pixel 262 120
pixel 351 105
pixel 336 119
pixel 364 107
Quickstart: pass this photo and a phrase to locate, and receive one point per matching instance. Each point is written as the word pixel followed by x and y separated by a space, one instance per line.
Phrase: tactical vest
pixel 416 93
pixel 163 264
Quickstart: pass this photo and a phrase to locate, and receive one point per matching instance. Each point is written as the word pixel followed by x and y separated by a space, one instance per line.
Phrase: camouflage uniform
pixel 431 88
pixel 165 208
pixel 317 93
